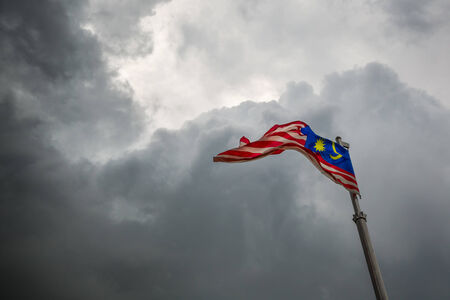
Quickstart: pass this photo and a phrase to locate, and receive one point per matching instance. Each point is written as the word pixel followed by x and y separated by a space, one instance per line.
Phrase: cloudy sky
pixel 111 111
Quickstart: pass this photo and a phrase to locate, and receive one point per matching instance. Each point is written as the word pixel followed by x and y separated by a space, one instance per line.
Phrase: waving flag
pixel 330 158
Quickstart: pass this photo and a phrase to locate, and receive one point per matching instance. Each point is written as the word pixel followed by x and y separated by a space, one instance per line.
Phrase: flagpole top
pixel 342 143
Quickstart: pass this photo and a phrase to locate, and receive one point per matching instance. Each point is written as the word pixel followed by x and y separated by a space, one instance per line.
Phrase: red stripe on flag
pixel 264 144
pixel 240 153
pixel 275 127
pixel 288 136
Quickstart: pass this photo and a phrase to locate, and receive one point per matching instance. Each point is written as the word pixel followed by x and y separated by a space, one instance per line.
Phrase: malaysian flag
pixel 330 158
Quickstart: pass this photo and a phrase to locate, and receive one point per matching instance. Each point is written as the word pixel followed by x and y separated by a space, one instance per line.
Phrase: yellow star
pixel 320 145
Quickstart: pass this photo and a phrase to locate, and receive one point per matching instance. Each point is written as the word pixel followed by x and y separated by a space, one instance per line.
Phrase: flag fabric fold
pixel 330 158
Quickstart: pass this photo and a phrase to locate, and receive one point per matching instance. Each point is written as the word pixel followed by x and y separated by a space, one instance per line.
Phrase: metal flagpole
pixel 360 220
pixel 375 274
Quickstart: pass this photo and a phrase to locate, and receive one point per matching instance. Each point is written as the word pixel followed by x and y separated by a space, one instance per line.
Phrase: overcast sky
pixel 111 112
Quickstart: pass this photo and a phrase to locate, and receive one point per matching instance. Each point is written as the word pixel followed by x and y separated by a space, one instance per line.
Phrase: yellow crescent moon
pixel 335 156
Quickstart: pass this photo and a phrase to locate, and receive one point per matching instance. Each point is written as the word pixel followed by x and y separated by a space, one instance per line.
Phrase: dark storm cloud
pixel 54 71
pixel 167 223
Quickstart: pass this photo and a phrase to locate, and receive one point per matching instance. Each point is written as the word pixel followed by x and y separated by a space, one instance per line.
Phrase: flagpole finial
pixel 342 143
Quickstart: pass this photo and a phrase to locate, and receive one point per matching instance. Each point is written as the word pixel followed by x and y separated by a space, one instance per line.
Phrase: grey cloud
pixel 271 229
pixel 55 72
pixel 166 223
pixel 422 17
pixel 117 23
